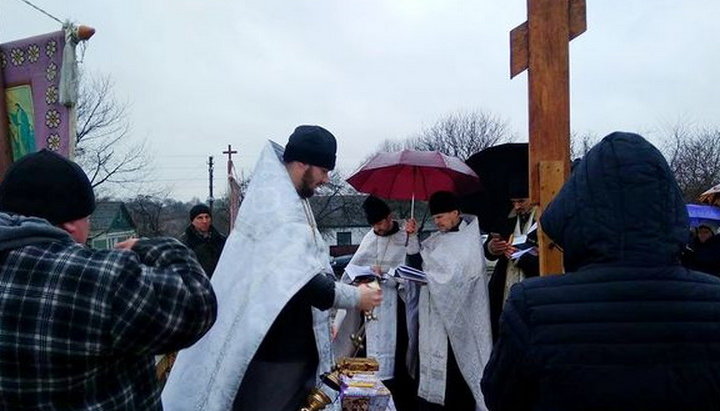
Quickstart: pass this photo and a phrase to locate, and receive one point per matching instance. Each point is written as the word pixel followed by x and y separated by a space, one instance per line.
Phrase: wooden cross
pixel 229 153
pixel 540 45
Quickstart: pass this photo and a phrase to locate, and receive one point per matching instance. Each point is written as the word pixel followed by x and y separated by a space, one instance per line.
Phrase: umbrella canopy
pixel 497 167
pixel 409 174
pixel 702 213
pixel 712 196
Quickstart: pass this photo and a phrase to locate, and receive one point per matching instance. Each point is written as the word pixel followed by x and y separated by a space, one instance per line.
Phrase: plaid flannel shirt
pixel 79 328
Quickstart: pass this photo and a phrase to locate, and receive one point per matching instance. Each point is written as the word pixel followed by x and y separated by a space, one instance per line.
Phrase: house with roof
pixel 341 221
pixel 110 224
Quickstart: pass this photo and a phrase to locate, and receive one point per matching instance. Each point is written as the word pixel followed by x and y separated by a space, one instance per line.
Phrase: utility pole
pixel 211 199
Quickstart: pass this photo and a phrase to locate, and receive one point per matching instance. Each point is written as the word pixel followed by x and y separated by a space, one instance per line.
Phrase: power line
pixel 41 11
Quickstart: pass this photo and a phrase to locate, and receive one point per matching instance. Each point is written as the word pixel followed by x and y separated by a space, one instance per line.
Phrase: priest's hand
pixel 370 297
pixel 411 226
pixel 498 246
pixel 509 251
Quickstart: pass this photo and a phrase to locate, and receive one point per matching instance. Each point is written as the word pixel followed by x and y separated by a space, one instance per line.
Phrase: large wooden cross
pixel 540 45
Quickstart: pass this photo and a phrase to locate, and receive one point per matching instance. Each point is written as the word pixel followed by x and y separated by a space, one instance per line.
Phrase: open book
pixel 360 273
pixel 412 274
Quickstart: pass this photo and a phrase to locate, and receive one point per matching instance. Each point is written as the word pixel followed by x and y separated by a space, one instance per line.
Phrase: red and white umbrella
pixel 408 174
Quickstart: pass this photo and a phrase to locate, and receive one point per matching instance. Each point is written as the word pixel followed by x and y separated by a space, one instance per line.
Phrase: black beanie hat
pixel 311 145
pixel 47 185
pixel 443 202
pixel 199 209
pixel 375 209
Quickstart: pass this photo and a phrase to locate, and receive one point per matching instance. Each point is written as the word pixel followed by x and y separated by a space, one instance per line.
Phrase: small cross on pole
pixel 540 45
pixel 229 153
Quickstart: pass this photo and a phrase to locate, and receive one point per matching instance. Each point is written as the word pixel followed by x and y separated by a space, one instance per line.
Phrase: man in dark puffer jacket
pixel 628 328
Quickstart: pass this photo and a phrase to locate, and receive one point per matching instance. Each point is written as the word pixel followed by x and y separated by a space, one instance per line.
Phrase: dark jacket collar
pixel 194 237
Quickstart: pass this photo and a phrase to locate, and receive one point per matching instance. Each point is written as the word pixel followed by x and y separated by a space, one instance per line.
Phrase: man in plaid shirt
pixel 79 328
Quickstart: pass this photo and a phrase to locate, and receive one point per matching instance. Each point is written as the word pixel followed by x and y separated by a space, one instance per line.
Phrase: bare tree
pixel 389 145
pixel 147 212
pixel 103 147
pixel 460 134
pixel 334 197
pixel 158 215
pixel 694 157
pixel 463 134
pixel 580 144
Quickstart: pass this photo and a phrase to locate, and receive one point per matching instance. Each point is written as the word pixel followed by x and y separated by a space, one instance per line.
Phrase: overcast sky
pixel 200 75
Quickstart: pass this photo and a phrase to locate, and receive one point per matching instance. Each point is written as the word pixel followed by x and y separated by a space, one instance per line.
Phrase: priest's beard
pixel 306 190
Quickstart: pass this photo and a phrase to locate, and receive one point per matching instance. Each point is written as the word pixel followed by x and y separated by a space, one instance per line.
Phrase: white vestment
pixel 273 251
pixel 454 305
pixel 387 252
pixel 513 273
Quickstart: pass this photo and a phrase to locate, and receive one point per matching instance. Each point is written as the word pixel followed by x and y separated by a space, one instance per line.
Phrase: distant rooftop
pixel 110 216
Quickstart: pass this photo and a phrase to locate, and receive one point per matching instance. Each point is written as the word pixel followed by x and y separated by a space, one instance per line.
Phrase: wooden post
pixel 540 45
pixel 552 177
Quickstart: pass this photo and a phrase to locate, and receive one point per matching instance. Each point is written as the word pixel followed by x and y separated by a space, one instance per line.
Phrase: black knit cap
pixel 47 185
pixel 375 209
pixel 311 145
pixel 199 209
pixel 443 202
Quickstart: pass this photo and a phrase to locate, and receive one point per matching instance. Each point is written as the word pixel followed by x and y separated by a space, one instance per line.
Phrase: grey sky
pixel 203 74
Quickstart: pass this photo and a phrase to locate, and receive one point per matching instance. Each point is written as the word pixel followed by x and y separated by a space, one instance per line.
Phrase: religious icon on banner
pixel 38 93
pixel 21 126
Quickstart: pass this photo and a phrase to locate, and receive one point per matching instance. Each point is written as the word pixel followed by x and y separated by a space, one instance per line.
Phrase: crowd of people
pixel 633 324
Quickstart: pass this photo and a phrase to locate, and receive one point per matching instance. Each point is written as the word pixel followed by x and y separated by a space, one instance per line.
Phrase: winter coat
pixel 207 249
pixel 528 263
pixel 80 327
pixel 703 257
pixel 628 328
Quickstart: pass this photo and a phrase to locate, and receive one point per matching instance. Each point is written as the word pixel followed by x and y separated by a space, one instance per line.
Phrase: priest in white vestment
pixel 454 318
pixel 272 336
pixel 382 249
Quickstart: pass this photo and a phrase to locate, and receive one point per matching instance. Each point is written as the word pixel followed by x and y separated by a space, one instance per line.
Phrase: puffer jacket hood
pixel 17 231
pixel 620 205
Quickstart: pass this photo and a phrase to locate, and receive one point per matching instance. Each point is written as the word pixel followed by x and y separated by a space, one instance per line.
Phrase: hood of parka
pixel 621 204
pixel 17 231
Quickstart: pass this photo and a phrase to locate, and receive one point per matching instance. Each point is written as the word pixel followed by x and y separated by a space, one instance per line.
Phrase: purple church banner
pixel 30 82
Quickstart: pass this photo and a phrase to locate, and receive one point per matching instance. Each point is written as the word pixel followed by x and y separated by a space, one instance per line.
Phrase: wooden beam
pixel 578 22
pixel 552 178
pixel 549 91
pixel 541 45
pixel 519 50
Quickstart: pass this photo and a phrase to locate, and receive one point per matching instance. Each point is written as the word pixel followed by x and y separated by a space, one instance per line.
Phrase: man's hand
pixel 509 251
pixel 370 296
pixel 127 244
pixel 498 246
pixel 411 226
